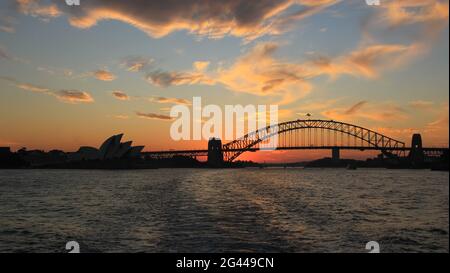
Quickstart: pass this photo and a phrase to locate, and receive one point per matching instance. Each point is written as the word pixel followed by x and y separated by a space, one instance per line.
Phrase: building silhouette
pixel 111 148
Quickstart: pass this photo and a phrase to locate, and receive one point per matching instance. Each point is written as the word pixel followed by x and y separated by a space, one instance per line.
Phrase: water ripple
pixel 244 210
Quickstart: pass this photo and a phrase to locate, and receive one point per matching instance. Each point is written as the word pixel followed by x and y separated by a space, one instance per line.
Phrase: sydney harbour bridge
pixel 310 135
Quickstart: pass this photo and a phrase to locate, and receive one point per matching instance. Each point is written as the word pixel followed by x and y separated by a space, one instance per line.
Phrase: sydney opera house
pixel 112 148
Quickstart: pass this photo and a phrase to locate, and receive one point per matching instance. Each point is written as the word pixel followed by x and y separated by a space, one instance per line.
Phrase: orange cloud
pixel 421 104
pixel 67 96
pixel 200 65
pixel 37 9
pixel 170 100
pixel 104 75
pixel 381 112
pixel 136 63
pixel 120 95
pixel 153 116
pixel 258 72
pixel 32 88
pixel 367 61
pixel 402 134
pixel 121 117
pixel 429 18
pixel 73 96
pixel 434 132
pixel 408 12
pixel 437 131
pixel 355 108
pixel 26 86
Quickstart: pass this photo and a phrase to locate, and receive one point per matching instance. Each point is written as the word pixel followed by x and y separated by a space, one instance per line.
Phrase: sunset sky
pixel 74 75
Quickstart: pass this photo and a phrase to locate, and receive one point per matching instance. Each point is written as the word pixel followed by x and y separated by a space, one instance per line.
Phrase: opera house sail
pixel 111 148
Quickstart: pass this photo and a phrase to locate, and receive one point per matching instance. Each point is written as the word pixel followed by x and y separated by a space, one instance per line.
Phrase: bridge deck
pixel 359 148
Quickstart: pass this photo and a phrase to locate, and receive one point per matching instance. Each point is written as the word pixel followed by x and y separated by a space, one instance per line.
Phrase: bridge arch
pixel 368 139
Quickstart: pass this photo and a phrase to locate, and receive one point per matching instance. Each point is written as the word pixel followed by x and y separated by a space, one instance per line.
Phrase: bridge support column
pixel 416 155
pixel 335 154
pixel 215 154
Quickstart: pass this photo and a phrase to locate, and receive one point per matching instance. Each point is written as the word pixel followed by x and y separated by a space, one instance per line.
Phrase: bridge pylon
pixel 416 154
pixel 215 154
pixel 335 154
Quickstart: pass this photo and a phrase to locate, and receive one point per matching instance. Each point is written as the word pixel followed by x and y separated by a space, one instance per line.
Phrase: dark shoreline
pixel 317 164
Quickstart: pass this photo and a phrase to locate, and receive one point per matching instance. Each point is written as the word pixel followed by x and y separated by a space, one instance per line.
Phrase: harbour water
pixel 224 210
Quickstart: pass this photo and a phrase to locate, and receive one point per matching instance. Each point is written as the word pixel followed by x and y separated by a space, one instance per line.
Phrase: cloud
pixel 6 28
pixel 212 19
pixel 37 9
pixel 435 131
pixel 408 12
pixel 73 96
pixel 370 60
pixel 46 69
pixel 153 116
pixel 32 88
pixel 439 128
pixel 165 78
pixel 311 7
pixel 120 95
pixel 428 18
pixel 379 112
pixel 104 75
pixel 421 104
pixel 63 72
pixel 7 22
pixel 439 124
pixel 170 100
pixel 401 134
pixel 260 73
pixel 9 79
pixel 122 117
pixel 136 63
pixel 26 86
pixel 165 109
pixel 4 54
pixel 355 108
pixel 200 66
pixel 67 96
pixel 367 61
